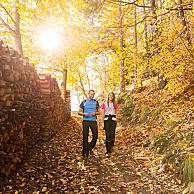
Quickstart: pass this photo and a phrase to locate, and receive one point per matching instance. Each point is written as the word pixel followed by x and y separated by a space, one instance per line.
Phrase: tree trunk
pixel 78 97
pixel 122 76
pixel 135 47
pixel 64 84
pixel 15 31
pixel 82 86
pixel 161 3
pixel 104 74
pixel 154 25
pixel 88 79
pixel 17 37
pixel 183 21
pixel 181 13
pixel 101 77
pixel 155 34
pixel 145 27
pixel 146 39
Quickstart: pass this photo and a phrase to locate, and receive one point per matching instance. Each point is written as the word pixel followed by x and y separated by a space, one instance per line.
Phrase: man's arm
pixel 96 113
pixel 80 112
pixel 97 110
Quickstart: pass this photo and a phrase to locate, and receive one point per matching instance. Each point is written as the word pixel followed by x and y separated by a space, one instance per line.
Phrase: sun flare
pixel 49 39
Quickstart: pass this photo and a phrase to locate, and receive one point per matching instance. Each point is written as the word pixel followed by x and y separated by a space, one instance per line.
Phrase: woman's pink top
pixel 109 110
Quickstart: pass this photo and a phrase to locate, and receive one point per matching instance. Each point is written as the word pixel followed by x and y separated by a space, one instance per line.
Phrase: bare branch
pixel 54 69
pixel 82 86
pixel 150 16
pixel 177 8
pixel 136 22
pixel 117 2
pixel 7 13
pixel 124 26
pixel 7 26
pixel 128 26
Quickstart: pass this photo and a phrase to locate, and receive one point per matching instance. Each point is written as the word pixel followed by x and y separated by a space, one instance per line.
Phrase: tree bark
pixel 161 3
pixel 145 27
pixel 102 79
pixel 135 47
pixel 88 79
pixel 154 25
pixel 155 34
pixel 78 97
pixel 122 76
pixel 82 86
pixel 15 32
pixel 105 76
pixel 64 84
pixel 18 39
pixel 183 21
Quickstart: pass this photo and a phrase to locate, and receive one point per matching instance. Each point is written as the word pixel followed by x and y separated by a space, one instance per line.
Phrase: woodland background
pixel 141 50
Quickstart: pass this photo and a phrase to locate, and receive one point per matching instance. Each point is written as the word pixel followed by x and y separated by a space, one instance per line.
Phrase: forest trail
pixel 56 166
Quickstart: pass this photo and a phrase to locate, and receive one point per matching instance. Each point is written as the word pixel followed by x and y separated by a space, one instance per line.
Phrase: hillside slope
pixel 153 118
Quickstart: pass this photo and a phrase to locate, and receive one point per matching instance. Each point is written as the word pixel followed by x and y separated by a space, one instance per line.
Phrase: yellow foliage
pixel 91 39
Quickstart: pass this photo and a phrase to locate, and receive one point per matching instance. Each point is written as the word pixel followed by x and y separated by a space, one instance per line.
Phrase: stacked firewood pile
pixel 31 108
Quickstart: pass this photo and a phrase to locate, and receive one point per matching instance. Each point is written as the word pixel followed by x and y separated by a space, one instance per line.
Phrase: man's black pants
pixel 86 145
pixel 110 126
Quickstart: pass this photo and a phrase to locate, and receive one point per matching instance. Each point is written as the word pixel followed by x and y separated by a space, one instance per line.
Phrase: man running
pixel 89 108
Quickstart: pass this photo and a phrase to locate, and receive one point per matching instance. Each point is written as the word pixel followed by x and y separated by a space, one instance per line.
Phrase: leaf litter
pixel 57 166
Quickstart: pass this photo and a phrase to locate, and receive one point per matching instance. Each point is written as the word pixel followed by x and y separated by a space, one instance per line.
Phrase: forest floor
pixel 56 166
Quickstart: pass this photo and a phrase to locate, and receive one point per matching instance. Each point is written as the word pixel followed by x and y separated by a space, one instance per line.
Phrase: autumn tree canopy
pixel 105 45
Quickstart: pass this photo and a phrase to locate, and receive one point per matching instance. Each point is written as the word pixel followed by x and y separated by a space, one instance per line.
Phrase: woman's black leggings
pixel 110 126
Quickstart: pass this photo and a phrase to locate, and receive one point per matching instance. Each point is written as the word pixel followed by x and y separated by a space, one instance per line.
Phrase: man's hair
pixel 91 91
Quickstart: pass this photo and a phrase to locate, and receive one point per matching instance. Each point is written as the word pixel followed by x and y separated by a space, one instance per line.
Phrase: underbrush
pixel 164 125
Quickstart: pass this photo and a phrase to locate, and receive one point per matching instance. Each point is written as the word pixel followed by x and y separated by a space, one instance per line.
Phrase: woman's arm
pixel 103 111
pixel 116 113
pixel 103 114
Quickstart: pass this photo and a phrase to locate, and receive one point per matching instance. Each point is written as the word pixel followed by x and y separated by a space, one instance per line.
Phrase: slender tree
pixel 15 30
pixel 64 83
pixel 81 84
pixel 154 26
pixel 183 21
pixel 145 26
pixel 121 50
pixel 135 47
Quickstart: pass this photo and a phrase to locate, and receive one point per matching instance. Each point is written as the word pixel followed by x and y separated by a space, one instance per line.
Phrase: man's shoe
pixel 108 155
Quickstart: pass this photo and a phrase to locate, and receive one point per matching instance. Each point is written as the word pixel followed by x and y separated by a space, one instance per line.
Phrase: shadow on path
pixel 57 167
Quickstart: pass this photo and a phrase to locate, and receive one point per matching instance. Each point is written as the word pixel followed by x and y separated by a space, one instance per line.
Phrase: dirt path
pixel 57 167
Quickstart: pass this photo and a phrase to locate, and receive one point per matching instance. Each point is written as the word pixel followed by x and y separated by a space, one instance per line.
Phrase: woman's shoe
pixel 85 157
pixel 91 152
